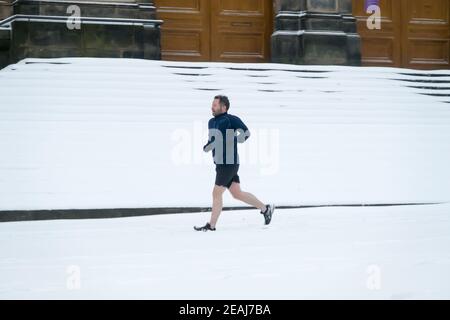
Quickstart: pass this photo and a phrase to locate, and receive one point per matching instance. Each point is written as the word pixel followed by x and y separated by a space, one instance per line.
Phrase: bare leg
pixel 217 204
pixel 246 197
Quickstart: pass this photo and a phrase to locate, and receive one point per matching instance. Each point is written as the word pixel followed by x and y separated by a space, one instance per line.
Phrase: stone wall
pixel 140 9
pixel 50 39
pixel 319 6
pixel 4 47
pixel 115 29
pixel 315 32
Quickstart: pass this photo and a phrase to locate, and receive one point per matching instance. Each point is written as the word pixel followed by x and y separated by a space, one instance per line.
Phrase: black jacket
pixel 230 130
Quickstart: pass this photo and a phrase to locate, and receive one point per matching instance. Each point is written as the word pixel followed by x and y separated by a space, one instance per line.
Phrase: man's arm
pixel 209 146
pixel 244 132
pixel 217 132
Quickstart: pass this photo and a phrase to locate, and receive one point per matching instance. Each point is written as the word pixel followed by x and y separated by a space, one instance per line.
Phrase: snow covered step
pixel 108 133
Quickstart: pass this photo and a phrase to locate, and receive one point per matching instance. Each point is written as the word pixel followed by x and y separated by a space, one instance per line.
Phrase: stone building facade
pixel 78 28
pixel 414 33
pixel 315 32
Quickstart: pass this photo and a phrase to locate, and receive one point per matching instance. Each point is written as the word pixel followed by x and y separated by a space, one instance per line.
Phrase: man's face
pixel 217 108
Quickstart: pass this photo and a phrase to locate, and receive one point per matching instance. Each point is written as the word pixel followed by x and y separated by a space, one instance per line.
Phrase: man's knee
pixel 218 191
pixel 237 195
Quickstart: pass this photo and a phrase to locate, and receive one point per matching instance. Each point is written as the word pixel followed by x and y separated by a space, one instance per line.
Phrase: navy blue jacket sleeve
pixel 238 124
pixel 208 147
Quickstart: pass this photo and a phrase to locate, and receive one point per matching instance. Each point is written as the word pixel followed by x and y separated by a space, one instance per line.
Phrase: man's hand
pixel 207 147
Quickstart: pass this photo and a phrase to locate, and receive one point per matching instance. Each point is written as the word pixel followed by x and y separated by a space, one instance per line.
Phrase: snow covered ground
pixel 107 133
pixel 115 133
pixel 323 253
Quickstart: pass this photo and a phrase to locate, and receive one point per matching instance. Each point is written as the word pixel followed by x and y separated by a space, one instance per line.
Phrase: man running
pixel 223 139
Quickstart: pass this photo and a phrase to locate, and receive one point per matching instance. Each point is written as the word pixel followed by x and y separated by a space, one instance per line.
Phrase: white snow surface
pixel 114 133
pixel 316 253
pixel 121 133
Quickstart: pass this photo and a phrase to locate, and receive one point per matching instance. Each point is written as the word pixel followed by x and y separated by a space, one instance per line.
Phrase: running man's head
pixel 220 105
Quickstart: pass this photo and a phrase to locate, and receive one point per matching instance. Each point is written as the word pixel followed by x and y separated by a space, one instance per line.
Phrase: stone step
pixel 141 9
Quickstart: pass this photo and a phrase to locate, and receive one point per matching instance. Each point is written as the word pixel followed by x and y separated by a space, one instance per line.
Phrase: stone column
pixel 315 32
pixel 5 39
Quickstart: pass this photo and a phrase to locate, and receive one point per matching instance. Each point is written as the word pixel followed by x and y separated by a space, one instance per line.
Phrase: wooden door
pixel 215 30
pixel 380 47
pixel 413 34
pixel 426 34
pixel 241 30
pixel 185 33
pixel 5 9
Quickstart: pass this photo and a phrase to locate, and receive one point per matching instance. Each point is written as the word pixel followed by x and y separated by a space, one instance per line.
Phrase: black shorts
pixel 226 174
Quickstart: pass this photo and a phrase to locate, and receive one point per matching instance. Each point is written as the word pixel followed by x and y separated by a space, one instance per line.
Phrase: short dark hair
pixel 223 100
